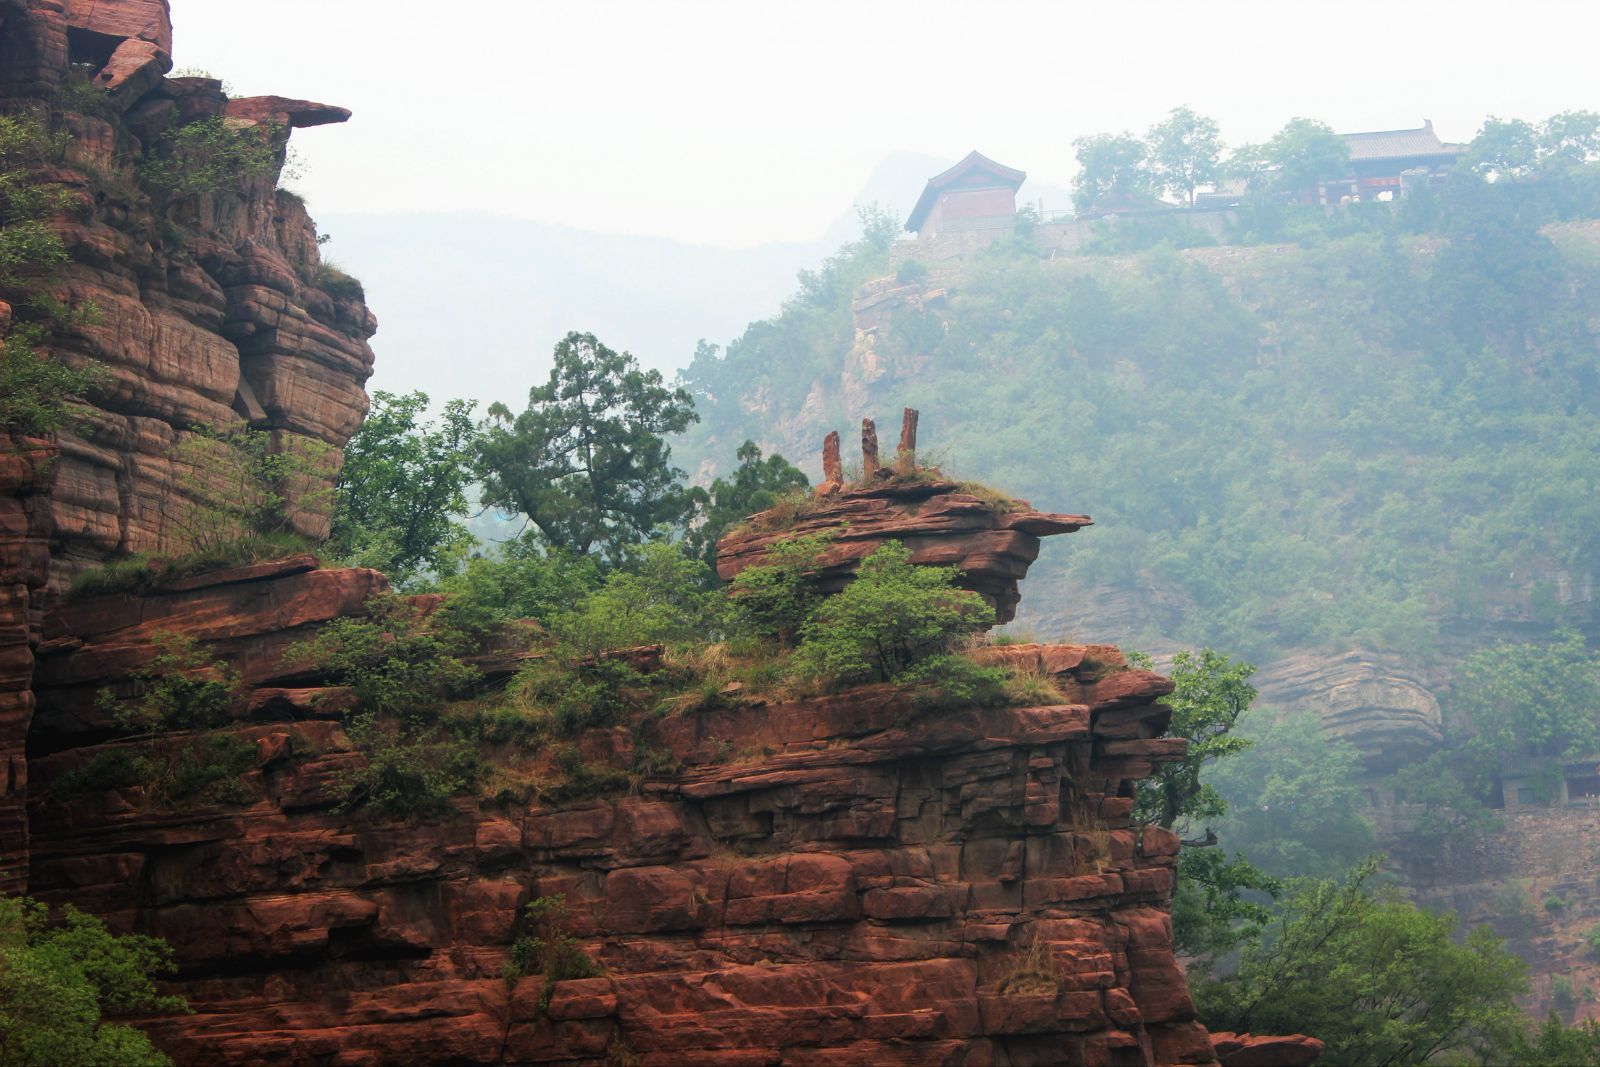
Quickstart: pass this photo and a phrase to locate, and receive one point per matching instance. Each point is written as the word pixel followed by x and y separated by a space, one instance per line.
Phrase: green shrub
pixel 891 617
pixel 141 574
pixel 664 598
pixel 549 949
pixel 208 157
pixel 337 284
pixel 911 271
pixel 182 688
pixel 397 664
pixel 411 767
pixel 776 597
pixel 59 979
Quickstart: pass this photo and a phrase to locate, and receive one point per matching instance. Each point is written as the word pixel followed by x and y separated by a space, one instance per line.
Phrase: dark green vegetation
pixel 1379 980
pixel 36 394
pixel 402 488
pixel 587 462
pixel 61 979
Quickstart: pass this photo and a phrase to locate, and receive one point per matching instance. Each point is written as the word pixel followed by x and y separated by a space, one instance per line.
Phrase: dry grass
pixel 1033 975
pixel 1030 686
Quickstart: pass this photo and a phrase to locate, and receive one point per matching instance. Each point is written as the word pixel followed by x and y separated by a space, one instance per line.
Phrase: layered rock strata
pixel 845 879
pixel 990 539
pixel 26 468
pixel 211 307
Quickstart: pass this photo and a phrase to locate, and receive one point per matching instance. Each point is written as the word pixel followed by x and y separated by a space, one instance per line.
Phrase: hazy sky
pixel 741 122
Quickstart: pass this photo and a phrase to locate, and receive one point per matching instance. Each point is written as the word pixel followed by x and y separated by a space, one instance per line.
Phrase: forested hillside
pixel 1364 438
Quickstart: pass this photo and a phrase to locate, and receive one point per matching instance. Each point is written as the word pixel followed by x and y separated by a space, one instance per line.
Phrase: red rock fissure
pixel 840 880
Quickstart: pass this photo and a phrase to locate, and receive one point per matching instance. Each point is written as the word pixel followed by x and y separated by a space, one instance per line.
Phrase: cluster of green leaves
pixel 548 950
pixel 1379 980
pixel 60 980
pixel 206 157
pixel 403 488
pixel 403 669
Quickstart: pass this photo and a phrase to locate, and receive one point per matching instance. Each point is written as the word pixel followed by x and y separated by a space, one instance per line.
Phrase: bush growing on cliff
pixel 549 950
pixel 36 390
pixel 59 980
pixel 756 485
pixel 235 482
pixel 208 156
pixel 890 621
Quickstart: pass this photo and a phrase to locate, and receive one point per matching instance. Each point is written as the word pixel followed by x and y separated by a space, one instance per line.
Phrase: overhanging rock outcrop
pixel 991 539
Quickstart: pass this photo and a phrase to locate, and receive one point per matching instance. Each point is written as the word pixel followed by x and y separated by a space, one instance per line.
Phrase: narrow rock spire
pixel 832 466
pixel 869 448
pixel 908 437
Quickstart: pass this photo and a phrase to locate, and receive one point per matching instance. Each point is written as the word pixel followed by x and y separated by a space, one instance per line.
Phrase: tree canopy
pixel 1379 980
pixel 403 487
pixel 587 461
pixel 59 980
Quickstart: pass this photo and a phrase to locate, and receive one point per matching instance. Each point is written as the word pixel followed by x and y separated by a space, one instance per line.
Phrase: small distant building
pixel 975 194
pixel 1522 787
pixel 1386 161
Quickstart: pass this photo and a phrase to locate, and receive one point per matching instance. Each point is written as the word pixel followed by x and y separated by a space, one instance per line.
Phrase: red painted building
pixel 975 194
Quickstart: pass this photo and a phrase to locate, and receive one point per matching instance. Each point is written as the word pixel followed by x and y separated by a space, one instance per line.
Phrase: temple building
pixel 975 194
pixel 1381 158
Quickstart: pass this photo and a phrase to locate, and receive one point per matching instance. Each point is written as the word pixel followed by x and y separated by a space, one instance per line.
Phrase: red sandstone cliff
pixel 855 883
pixel 210 308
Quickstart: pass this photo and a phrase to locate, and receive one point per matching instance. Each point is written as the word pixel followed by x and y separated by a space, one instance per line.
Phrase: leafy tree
pixel 1444 811
pixel 403 488
pixel 1379 980
pixel 1304 153
pixel 1110 164
pixel 1210 692
pixel 1185 152
pixel 891 618
pixel 587 462
pixel 1211 913
pixel 1570 139
pixel 1504 149
pixel 776 597
pixel 1533 702
pixel 59 980
pixel 756 485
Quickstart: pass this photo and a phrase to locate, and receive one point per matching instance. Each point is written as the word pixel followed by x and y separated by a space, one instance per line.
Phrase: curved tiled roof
pixel 974 160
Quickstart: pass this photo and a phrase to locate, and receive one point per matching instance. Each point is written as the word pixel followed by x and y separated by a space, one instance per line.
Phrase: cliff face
pixel 211 306
pixel 843 879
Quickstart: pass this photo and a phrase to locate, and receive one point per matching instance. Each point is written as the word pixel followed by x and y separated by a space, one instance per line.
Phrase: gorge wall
pixel 845 878
pixel 835 880
pixel 210 305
